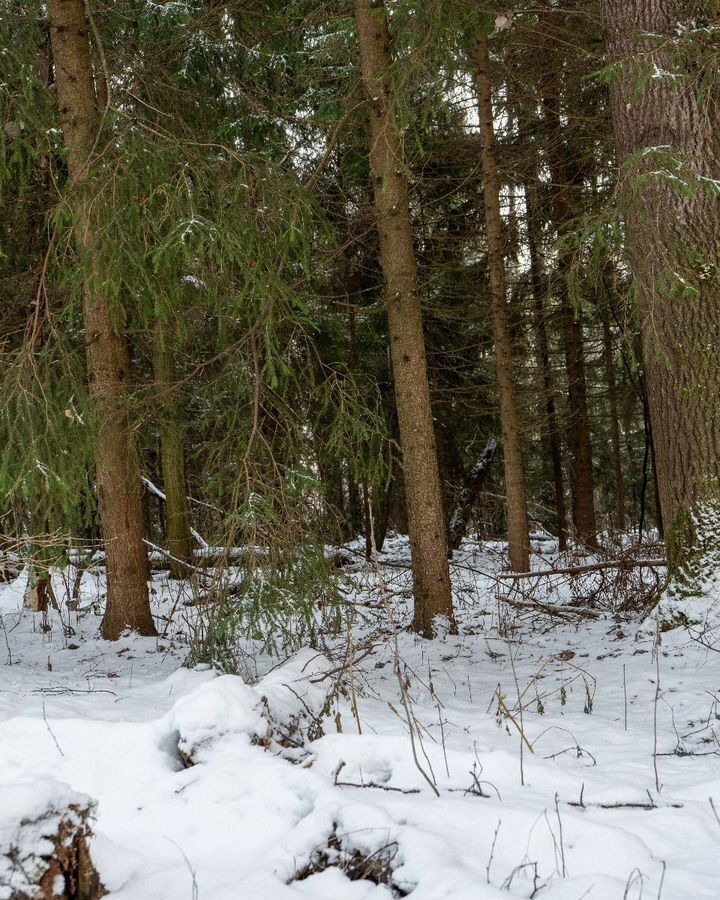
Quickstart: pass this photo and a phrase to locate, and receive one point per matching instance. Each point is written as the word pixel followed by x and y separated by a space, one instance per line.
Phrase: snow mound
pixel 692 597
pixel 282 708
pixel 43 832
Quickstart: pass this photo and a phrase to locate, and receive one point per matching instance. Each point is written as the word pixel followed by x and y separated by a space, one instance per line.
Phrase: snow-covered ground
pixel 545 738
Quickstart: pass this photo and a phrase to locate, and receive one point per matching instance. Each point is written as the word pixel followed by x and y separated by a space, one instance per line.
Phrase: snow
pixel 30 816
pixel 210 786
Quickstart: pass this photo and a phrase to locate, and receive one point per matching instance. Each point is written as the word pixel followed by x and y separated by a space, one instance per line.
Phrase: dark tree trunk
pixel 108 359
pixel 172 451
pixel 452 473
pixel 397 507
pixel 469 495
pixel 553 439
pixel 431 576
pixel 614 425
pixel 518 531
pixel 563 186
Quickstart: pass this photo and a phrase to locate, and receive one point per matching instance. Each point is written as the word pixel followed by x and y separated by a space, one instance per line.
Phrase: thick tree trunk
pixel 543 356
pixel 667 130
pixel 431 577
pixel 583 494
pixel 609 363
pixel 172 452
pixel 518 531
pixel 108 361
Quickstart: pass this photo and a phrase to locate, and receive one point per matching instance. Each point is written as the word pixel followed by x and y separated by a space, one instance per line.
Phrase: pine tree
pixel 428 541
pixel 518 531
pixel 108 358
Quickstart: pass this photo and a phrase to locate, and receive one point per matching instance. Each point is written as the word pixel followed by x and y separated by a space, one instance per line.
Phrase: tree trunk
pixel 609 363
pixel 452 471
pixel 431 577
pixel 376 518
pixel 468 496
pixel 172 452
pixel 356 500
pixel 397 506
pixel 518 531
pixel 543 356
pixel 108 359
pixel 335 518
pixel 562 178
pixel 666 131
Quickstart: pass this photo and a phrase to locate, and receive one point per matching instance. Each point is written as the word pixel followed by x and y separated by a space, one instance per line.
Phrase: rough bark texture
pixel 39 594
pixel 108 361
pixel 172 451
pixel 518 531
pixel 431 577
pixel 553 440
pixel 583 494
pixel 667 130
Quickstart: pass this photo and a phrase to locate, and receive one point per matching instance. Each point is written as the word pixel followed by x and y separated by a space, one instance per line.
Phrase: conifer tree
pixel 108 358
pixel 664 105
pixel 428 541
pixel 518 531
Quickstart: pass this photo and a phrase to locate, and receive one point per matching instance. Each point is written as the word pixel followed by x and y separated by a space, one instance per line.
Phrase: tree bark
pixel 468 496
pixel 172 452
pixel 431 577
pixel 583 494
pixel 108 359
pixel 609 363
pixel 518 531
pixel 543 356
pixel 667 131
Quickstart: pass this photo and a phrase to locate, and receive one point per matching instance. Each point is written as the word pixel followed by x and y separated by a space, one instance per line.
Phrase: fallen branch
pixel 590 567
pixel 186 565
pixel 154 489
pixel 369 784
pixel 641 804
pixel 553 609
pixel 504 707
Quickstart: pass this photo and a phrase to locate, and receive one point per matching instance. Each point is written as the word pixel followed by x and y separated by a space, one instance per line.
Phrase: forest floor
pixel 563 768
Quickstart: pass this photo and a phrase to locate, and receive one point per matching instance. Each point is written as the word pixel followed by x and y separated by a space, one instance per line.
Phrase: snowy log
pixel 45 829
pixel 284 710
